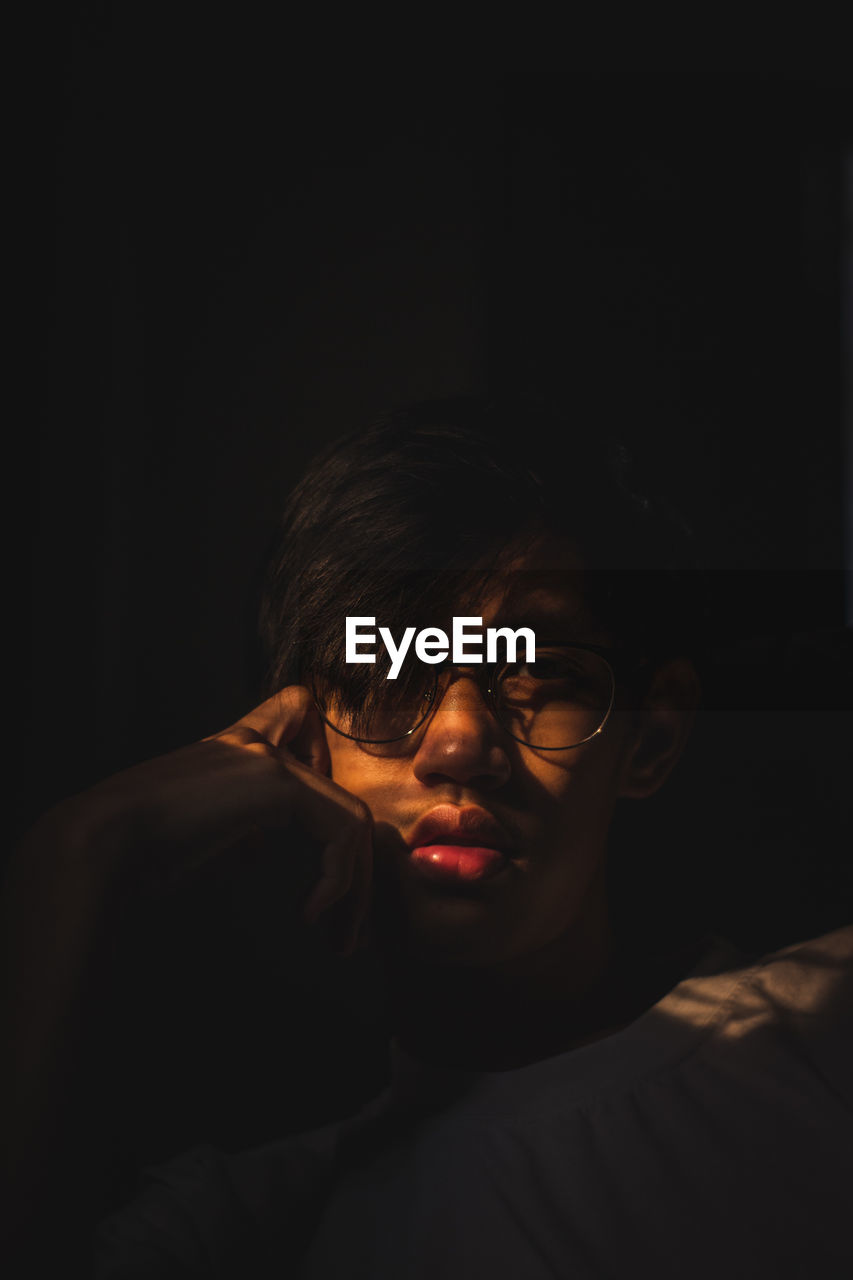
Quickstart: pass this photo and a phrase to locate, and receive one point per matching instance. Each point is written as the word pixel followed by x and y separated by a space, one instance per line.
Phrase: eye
pixel 551 666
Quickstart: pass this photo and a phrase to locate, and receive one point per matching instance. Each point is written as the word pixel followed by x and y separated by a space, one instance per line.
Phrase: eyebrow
pixel 560 623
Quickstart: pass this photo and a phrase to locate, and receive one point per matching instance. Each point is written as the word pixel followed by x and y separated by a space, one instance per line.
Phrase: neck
pixel 568 993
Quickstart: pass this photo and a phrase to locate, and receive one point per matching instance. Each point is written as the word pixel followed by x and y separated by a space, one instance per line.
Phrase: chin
pixel 447 930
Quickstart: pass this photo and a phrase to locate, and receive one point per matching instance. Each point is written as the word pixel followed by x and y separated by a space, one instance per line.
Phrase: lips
pixel 459 844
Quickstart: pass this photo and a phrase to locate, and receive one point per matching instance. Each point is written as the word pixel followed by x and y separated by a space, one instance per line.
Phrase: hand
pixel 267 772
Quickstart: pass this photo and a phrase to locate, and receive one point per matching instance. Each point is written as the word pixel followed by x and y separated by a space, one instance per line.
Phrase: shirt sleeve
pixel 215 1215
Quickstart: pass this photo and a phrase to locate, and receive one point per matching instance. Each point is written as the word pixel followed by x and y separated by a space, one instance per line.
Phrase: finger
pixel 287 707
pixel 359 897
pixel 337 871
pixel 290 718
pixel 347 914
pixel 309 745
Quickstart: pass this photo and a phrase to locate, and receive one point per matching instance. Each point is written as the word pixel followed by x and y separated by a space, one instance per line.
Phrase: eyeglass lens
pixel 558 701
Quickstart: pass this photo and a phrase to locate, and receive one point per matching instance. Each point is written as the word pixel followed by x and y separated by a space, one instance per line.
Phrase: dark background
pixel 239 259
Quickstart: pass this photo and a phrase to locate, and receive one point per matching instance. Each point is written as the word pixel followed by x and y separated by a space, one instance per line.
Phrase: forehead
pixel 544 587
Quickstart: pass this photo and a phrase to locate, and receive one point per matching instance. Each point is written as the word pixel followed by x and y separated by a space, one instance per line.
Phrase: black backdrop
pixel 239 261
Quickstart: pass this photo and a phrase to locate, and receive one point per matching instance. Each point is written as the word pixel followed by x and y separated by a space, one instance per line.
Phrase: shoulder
pixel 807 985
pixel 788 1016
pixel 814 967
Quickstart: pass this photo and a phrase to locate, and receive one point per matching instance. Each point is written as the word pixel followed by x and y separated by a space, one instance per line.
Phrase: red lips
pixel 448 824
pixel 452 843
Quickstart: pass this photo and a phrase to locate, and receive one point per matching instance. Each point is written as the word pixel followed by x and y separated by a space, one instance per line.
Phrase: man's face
pixel 548 811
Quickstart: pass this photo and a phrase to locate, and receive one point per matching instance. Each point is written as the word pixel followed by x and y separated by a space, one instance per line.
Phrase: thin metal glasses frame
pixel 487 679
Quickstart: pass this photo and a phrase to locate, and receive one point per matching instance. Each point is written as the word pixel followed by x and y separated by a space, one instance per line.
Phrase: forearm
pixel 58 892
pixel 80 877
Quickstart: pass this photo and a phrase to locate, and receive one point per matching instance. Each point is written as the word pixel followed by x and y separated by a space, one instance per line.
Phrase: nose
pixel 463 742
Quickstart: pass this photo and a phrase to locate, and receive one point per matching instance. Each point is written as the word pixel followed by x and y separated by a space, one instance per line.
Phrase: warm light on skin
pixel 556 806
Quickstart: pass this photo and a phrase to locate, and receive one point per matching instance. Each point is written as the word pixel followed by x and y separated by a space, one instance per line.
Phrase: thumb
pixel 290 719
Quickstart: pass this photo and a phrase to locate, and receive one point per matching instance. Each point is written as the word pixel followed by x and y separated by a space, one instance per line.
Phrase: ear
pixel 661 727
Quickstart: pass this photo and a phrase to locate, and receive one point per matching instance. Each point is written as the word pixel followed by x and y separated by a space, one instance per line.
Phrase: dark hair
pixel 395 520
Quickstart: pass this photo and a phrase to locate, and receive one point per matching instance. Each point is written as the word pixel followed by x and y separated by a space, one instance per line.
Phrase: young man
pixel 567 1098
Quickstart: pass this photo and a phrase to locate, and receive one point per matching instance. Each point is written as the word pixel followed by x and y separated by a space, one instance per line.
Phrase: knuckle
pixel 361 814
pixel 239 735
pixel 250 742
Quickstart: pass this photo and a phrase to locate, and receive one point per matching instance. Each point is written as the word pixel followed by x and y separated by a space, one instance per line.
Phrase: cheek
pixel 576 792
pixel 373 779
pixel 592 770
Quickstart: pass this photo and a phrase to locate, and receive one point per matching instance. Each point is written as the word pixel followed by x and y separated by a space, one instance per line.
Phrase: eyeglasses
pixel 558 702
